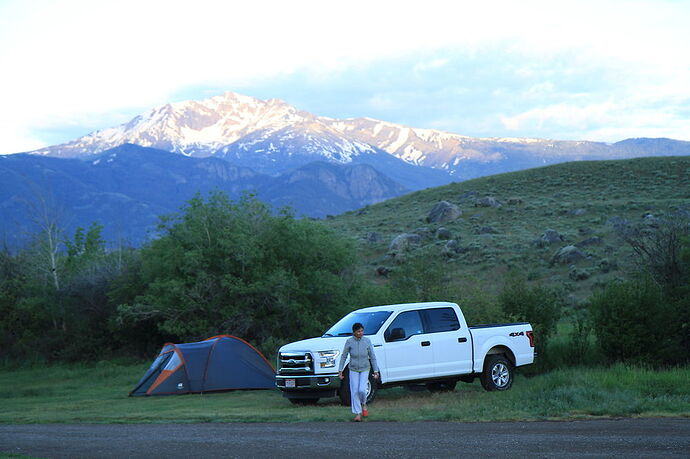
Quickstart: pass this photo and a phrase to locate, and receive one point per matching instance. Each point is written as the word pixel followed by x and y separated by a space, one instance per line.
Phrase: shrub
pixel 537 305
pixel 633 321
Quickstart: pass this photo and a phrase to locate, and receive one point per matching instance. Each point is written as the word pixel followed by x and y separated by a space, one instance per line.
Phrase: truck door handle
pixel 426 343
pixel 462 340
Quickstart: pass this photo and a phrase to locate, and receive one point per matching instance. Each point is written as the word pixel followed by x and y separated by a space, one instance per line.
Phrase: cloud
pixel 92 63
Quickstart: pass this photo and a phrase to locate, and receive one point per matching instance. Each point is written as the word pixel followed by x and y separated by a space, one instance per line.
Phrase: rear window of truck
pixel 440 320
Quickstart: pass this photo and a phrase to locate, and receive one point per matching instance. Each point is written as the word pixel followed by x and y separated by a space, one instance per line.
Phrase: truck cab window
pixel 407 324
pixel 440 320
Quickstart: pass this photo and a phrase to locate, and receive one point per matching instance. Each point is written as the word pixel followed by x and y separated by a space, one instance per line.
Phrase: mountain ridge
pixel 251 131
pixel 128 187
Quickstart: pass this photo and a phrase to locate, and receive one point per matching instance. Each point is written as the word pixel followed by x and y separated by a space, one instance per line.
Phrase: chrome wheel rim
pixel 500 375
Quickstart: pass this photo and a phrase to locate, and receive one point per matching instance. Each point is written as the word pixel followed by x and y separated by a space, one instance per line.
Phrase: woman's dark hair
pixel 356 326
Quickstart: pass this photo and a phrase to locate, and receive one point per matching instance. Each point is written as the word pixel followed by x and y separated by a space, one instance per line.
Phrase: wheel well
pixel 501 350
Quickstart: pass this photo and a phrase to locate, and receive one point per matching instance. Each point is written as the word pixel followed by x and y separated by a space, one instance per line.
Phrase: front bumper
pixel 322 385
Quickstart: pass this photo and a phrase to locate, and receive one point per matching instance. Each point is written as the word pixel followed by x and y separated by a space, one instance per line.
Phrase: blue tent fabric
pixel 219 363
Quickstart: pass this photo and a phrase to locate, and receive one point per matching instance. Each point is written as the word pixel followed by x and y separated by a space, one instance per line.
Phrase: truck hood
pixel 316 344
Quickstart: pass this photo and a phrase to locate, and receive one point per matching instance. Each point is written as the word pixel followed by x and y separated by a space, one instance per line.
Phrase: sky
pixel 569 70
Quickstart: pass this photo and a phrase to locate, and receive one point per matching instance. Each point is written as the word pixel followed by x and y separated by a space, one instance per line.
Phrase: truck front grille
pixel 295 363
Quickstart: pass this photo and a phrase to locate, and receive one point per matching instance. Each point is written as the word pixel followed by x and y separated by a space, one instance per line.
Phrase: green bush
pixel 540 306
pixel 634 322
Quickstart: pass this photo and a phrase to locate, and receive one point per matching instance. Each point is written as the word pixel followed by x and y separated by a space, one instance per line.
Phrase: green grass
pixel 533 200
pixel 98 394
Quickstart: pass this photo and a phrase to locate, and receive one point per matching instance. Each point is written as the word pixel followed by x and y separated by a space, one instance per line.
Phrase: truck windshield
pixel 372 322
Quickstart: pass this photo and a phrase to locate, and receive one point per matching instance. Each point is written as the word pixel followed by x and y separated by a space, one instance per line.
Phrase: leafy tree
pixel 11 280
pixel 233 267
pixel 85 247
pixel 421 279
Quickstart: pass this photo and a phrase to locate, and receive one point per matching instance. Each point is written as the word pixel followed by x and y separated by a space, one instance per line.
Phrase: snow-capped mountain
pixel 273 137
pixel 125 176
pixel 192 128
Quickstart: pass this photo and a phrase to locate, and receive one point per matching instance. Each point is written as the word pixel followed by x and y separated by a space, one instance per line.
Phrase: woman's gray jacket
pixel 361 352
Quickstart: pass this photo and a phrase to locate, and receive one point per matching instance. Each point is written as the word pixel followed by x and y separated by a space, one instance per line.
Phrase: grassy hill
pixel 582 201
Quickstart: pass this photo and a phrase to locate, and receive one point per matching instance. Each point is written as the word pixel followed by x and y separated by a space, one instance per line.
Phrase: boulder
pixel 578 274
pixel 487 201
pixel 548 237
pixel 372 237
pixel 568 255
pixel 444 212
pixel 605 265
pixel 443 233
pixel 451 248
pixel 404 242
pixel 425 233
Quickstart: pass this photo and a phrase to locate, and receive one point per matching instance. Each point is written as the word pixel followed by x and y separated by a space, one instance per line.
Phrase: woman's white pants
pixel 358 389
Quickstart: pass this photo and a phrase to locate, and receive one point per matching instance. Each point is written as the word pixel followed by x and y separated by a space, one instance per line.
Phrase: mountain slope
pixel 582 201
pixel 467 157
pixel 127 188
pixel 330 188
pixel 273 137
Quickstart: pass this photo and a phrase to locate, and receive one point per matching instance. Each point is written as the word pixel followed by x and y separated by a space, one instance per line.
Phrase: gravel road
pixel 593 438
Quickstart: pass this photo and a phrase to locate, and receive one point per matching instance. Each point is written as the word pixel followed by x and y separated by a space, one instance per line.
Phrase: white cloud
pixel 77 59
pixel 606 121
pixel 562 116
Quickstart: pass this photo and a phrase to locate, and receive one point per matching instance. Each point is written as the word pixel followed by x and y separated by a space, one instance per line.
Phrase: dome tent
pixel 218 363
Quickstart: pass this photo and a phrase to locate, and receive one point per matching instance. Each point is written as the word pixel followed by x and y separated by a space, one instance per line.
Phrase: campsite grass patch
pixel 98 394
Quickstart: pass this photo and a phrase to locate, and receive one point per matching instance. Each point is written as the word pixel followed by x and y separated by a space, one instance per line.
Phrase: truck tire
pixel 442 386
pixel 344 391
pixel 303 401
pixel 497 374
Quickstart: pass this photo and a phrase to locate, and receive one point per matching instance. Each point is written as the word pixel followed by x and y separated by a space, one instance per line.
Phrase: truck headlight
pixel 328 358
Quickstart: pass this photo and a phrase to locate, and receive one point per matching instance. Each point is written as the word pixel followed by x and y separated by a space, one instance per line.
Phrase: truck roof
pixel 397 307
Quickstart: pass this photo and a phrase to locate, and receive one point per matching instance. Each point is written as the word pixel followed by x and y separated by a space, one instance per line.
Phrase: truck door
pixel 408 352
pixel 451 345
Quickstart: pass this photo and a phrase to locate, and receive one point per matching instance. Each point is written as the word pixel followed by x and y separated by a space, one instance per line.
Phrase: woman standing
pixel 361 352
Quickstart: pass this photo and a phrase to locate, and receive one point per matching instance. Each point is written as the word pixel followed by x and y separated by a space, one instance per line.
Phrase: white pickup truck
pixel 415 343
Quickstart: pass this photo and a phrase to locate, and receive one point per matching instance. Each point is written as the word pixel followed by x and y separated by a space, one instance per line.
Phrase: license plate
pixel 289 383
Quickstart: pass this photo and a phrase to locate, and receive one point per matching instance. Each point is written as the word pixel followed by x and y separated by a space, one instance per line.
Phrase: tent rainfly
pixel 218 363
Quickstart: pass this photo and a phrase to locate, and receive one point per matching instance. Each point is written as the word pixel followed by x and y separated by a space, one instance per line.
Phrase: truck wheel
pixel 344 391
pixel 497 374
pixel 303 401
pixel 441 386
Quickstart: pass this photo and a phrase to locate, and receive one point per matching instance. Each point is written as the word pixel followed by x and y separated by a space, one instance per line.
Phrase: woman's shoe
pixel 365 413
